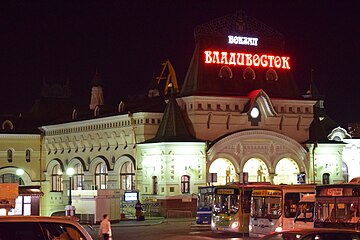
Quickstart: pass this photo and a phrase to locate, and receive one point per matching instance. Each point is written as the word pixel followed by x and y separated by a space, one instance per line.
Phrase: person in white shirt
pixel 105 228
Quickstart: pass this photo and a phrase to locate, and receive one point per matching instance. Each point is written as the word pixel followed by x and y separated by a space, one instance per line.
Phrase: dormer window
pixel 271 75
pixel 225 72
pixel 249 74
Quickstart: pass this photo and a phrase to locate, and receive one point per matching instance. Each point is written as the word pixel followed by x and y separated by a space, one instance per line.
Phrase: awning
pixel 30 191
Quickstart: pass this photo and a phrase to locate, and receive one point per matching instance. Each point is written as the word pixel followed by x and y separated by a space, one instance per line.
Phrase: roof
pixel 208 79
pixel 173 127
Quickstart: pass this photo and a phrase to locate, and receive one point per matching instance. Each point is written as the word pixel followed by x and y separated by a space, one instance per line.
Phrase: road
pixel 169 229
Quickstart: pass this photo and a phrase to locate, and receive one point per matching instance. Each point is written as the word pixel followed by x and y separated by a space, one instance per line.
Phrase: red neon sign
pixel 246 59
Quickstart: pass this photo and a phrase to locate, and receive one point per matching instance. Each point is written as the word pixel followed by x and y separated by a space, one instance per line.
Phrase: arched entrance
pixel 225 171
pixel 257 170
pixel 286 171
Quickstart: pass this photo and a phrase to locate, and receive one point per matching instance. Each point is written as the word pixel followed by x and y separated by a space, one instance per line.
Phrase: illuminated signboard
pixel 267 193
pixel 243 40
pixel 334 192
pixel 246 59
pixel 225 191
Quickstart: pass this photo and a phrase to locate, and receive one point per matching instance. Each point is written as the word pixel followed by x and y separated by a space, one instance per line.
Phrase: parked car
pixel 314 234
pixel 41 228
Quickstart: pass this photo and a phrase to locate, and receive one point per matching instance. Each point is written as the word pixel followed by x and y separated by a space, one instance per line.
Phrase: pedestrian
pixel 105 228
pixel 139 211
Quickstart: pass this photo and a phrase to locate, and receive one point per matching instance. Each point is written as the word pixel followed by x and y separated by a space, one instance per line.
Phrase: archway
pixel 257 170
pixel 286 171
pixel 225 171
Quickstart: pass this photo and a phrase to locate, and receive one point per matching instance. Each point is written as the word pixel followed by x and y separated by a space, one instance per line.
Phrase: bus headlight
pixel 235 225
pixel 250 228
pixel 279 228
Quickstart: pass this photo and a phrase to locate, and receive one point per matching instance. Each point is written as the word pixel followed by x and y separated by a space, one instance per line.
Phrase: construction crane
pixel 169 76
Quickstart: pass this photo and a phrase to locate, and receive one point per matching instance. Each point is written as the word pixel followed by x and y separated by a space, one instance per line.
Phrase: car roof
pixel 63 219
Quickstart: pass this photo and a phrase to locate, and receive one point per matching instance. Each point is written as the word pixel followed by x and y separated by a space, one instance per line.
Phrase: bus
pixel 304 217
pixel 204 205
pixel 337 206
pixel 231 207
pixel 273 208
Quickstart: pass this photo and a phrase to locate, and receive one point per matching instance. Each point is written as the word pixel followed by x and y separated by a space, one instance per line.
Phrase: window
pixel 28 155
pixel 155 185
pixel 326 178
pixel 101 176
pixel 185 184
pixel 20 230
pixel 10 155
pixel 78 178
pixel 225 72
pixel 61 231
pixel 249 74
pixel 127 174
pixel 56 178
pixel 11 178
pixel 271 75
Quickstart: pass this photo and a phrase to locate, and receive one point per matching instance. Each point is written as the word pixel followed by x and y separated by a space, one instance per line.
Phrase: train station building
pixel 237 116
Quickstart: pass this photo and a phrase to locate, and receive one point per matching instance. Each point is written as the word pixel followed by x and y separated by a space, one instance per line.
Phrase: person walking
pixel 105 228
pixel 139 211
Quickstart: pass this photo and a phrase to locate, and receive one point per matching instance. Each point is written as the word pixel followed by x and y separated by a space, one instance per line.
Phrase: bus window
pixel 226 204
pixel 305 212
pixel 266 207
pixel 291 199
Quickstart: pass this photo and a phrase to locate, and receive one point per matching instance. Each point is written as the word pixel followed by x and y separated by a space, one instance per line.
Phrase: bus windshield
pixel 205 198
pixel 266 207
pixel 342 210
pixel 226 204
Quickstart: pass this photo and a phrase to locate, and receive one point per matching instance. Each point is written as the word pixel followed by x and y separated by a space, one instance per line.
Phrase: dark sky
pixel 128 40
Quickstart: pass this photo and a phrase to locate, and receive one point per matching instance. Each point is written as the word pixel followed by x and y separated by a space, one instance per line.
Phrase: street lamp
pixel 70 172
pixel 19 173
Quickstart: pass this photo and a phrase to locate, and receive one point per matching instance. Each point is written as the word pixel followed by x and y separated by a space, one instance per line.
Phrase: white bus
pixel 273 208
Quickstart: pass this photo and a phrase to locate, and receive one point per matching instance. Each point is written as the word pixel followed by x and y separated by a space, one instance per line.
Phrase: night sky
pixel 128 40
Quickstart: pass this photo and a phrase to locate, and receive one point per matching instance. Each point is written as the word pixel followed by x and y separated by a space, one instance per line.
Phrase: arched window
pixel 78 177
pixel 127 174
pixel 10 155
pixel 225 72
pixel 185 184
pixel 249 74
pixel 28 155
pixel 155 185
pixel 326 178
pixel 11 178
pixel 271 75
pixel 56 178
pixel 101 176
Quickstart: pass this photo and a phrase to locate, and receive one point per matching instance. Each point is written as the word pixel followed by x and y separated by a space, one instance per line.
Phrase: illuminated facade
pixel 238 112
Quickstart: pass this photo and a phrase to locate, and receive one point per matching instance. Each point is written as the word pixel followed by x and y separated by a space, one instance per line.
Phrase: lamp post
pixel 70 209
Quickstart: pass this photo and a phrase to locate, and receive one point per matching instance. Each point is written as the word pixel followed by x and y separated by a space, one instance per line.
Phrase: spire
pixel 173 127
pixel 96 81
pixel 97 96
